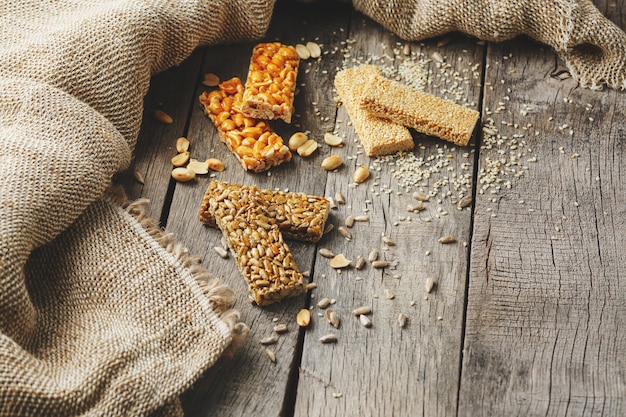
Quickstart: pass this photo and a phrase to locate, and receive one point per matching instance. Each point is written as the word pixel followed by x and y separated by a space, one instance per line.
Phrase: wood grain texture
pixel 546 309
pixel 388 370
pixel 527 319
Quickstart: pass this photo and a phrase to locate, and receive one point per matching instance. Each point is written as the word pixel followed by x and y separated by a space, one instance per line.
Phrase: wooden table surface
pixel 528 314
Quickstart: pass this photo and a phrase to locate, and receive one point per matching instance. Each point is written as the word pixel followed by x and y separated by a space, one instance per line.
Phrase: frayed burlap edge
pixel 219 295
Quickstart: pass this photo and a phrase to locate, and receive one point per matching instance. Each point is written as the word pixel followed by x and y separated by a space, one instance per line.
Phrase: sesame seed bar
pixel 262 256
pixel 421 111
pixel 299 216
pixel 255 144
pixel 271 82
pixel 378 136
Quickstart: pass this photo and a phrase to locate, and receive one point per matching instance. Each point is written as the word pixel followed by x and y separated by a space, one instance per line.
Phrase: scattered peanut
pixel 182 144
pixel 199 167
pixel 215 164
pixel 180 159
pixel 181 174
pixel 332 162
pixel 211 80
pixel 296 140
pixel 314 49
pixel 340 261
pixel 332 140
pixel 307 149
pixel 303 318
pixel 302 51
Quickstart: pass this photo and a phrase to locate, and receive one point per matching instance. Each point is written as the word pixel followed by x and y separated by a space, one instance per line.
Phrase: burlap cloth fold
pixel 593 48
pixel 102 313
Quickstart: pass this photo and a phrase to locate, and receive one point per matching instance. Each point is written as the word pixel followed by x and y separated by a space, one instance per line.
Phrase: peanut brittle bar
pixel 421 111
pixel 299 216
pixel 262 256
pixel 271 82
pixel 255 144
pixel 378 135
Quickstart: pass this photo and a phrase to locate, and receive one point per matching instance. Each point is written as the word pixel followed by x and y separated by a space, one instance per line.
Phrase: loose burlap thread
pixel 101 312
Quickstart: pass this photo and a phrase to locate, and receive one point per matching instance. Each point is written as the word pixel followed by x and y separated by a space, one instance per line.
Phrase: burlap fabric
pixel 593 48
pixel 101 313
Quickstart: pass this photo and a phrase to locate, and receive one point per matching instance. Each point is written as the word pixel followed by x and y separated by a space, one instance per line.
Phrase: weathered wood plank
pixel 545 308
pixel 387 370
pixel 172 92
pixel 249 383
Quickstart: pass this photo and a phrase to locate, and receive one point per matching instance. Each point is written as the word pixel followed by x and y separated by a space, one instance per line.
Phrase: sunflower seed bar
pixel 421 111
pixel 255 144
pixel 262 256
pixel 271 82
pixel 378 136
pixel 299 216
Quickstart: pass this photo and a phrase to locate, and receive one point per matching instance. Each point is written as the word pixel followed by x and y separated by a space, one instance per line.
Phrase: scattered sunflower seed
pixel 447 239
pixel 328 338
pixel 464 202
pixel 326 253
pixel 333 318
pixel 389 295
pixel 280 328
pixel 373 256
pixel 361 218
pixel 339 198
pixel 138 177
pixel 402 320
pixel 349 222
pixel 269 340
pixel 380 264
pixel 361 311
pixel 162 117
pixel 420 196
pixel 223 253
pixel 311 285
pixel 429 284
pixel 387 241
pixel 343 231
pixel 270 354
pixel 360 263
pixel 365 321
pixel 323 303
pixel 360 174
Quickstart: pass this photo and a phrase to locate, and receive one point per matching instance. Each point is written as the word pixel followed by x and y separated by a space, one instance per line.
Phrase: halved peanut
pixel 308 148
pixel 180 159
pixel 332 162
pixel 199 167
pixel 333 140
pixel 182 144
pixel 302 51
pixel 211 80
pixel 296 140
pixel 314 49
pixel 215 164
